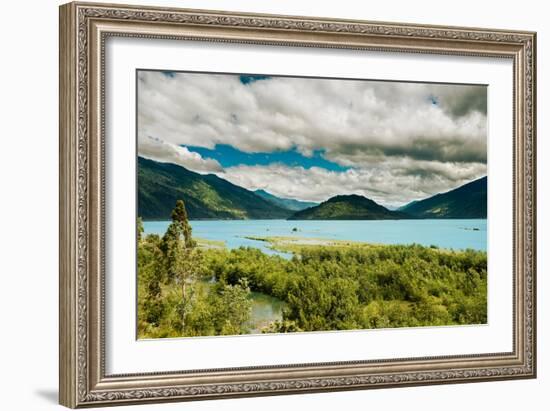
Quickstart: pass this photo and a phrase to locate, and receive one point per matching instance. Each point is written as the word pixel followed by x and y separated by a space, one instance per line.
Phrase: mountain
pixel 467 201
pixel 348 207
pixel 406 205
pixel 287 203
pixel 160 185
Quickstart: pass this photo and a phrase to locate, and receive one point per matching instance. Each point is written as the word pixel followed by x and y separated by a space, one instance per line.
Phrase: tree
pixel 151 306
pixel 139 228
pixel 232 308
pixel 179 215
pixel 183 259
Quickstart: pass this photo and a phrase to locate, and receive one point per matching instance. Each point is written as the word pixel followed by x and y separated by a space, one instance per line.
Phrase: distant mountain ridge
pixel 288 203
pixel 348 207
pixel 467 201
pixel 160 185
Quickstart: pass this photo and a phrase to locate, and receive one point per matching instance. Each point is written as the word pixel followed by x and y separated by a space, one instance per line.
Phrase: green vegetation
pixel 188 290
pixel 350 286
pixel 348 207
pixel 467 201
pixel 160 185
pixel 173 297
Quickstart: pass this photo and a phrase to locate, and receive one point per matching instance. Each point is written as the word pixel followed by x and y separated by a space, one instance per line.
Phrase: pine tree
pixel 183 259
pixel 179 215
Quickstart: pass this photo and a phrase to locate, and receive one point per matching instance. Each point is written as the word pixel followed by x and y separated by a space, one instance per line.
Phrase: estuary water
pixel 450 234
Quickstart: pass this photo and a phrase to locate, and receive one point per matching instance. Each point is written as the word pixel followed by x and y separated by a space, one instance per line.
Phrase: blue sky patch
pixel 247 79
pixel 229 156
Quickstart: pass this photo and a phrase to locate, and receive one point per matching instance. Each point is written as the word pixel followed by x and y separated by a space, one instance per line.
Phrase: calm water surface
pixel 452 234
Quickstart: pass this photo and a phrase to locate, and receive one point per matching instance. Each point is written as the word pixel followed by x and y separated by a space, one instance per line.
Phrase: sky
pixel 313 138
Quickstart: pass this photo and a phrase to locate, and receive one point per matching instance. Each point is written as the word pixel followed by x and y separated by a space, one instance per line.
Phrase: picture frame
pixel 85 28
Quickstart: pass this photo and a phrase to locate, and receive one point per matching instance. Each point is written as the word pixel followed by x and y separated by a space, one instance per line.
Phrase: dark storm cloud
pixel 419 148
pixel 461 101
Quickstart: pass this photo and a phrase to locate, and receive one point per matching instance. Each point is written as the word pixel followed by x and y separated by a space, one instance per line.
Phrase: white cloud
pixel 404 141
pixel 159 150
pixel 396 119
pixel 389 184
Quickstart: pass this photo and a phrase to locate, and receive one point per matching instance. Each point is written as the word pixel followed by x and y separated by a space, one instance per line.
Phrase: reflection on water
pixel 265 309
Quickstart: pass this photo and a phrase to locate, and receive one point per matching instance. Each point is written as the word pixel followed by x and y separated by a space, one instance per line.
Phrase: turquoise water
pixel 452 234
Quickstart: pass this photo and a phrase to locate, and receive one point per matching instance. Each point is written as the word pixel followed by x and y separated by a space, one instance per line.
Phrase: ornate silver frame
pixel 83 30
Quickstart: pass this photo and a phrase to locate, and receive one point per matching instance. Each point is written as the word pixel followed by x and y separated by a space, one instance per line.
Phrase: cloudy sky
pixel 311 139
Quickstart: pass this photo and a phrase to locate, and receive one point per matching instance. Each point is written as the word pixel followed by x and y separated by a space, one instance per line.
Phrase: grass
pixel 295 244
pixel 206 243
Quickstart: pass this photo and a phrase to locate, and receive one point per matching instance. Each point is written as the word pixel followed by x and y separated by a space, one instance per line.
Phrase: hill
pixel 348 207
pixel 205 196
pixel 467 201
pixel 401 208
pixel 288 203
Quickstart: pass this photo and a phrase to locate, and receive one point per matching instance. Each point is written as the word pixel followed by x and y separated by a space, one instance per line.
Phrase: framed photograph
pixel 259 204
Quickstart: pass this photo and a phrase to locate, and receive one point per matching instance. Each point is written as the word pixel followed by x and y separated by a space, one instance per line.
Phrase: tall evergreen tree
pixel 179 215
pixel 183 259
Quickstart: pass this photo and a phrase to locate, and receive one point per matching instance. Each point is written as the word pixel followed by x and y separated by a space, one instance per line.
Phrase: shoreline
pixel 282 236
